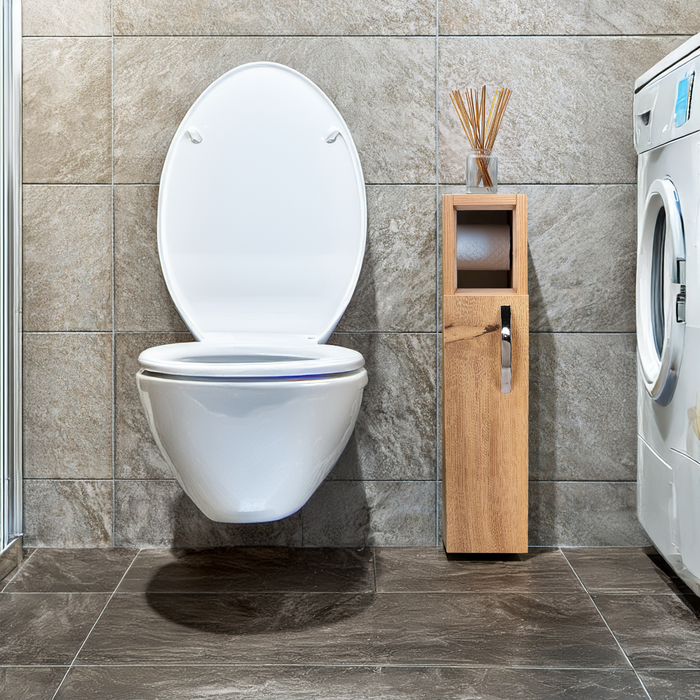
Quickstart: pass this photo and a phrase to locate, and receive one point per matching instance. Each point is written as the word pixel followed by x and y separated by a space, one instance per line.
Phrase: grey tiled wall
pixel 105 86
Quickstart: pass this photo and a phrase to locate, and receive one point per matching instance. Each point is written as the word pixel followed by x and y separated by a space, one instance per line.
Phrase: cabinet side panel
pixel 520 245
pixel 449 243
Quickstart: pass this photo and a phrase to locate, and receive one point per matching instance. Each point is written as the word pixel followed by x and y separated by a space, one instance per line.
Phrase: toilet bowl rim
pixel 216 359
pixel 357 377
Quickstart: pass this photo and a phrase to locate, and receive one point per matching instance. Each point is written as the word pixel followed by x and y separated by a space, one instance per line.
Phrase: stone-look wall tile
pixel 137 456
pixel 582 256
pixel 141 299
pixel 67 388
pixel 383 87
pixel 396 289
pixel 67 258
pixel 67 513
pixel 395 434
pixel 378 513
pixel 159 513
pixel 582 262
pixel 66 18
pixel 581 249
pixel 583 407
pixel 568 120
pixel 279 17
pixel 569 513
pixel 67 124
pixel 439 407
pixel 552 17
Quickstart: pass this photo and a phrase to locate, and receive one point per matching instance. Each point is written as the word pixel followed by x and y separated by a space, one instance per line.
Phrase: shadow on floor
pixel 261 590
pixel 685 595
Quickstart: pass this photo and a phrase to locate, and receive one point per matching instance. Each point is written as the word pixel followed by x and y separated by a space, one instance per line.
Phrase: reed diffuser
pixel 481 131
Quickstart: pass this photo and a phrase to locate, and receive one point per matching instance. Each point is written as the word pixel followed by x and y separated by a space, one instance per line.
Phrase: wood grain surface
pixel 485 431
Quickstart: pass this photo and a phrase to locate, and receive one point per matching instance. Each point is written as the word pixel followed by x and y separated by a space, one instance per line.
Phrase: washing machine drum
pixel 661 291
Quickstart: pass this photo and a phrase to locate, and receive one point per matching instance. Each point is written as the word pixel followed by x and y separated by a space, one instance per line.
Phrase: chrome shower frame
pixel 10 285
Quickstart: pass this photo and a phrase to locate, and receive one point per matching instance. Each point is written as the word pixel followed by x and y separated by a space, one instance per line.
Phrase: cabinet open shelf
pixel 503 209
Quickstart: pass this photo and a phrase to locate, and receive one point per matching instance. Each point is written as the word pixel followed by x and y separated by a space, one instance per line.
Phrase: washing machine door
pixel 661 291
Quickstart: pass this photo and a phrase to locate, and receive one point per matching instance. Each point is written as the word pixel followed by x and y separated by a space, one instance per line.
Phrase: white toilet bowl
pixel 253 416
pixel 252 431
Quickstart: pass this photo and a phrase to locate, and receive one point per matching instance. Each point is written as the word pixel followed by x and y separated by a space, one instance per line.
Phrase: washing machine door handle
pixel 661 291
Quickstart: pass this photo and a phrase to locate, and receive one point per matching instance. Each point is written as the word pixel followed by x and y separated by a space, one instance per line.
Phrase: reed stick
pixel 481 129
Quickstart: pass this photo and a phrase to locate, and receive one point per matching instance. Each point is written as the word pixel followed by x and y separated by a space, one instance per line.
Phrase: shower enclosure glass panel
pixel 10 280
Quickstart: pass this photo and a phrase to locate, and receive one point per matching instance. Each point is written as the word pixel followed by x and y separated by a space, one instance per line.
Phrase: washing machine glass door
pixel 661 291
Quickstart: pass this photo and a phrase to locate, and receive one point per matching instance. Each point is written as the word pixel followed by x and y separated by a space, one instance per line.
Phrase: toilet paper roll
pixel 483 247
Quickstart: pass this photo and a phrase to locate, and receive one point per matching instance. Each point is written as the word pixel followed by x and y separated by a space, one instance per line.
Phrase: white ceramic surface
pixel 214 359
pixel 253 417
pixel 241 257
pixel 251 451
pixel 668 481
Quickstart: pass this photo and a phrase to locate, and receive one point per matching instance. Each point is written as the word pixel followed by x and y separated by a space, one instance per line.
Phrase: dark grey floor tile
pixel 30 683
pixel 251 569
pixel 72 571
pixel 656 631
pixel 548 630
pixel 430 569
pixel 672 685
pixel 10 573
pixel 45 628
pixel 346 683
pixel 624 570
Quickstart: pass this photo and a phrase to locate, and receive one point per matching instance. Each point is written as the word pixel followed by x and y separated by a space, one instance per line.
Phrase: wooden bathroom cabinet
pixel 485 426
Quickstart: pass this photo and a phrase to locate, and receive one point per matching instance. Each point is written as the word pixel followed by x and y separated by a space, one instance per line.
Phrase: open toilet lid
pixel 262 216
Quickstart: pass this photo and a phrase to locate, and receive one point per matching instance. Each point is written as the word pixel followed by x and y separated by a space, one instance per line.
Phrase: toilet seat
pixel 221 360
pixel 262 213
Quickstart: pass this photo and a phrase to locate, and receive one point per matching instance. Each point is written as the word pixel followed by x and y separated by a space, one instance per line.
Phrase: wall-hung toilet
pixel 261 233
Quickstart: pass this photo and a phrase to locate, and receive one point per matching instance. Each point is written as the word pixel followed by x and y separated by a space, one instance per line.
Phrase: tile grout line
pixel 122 37
pixel 311 594
pixel 99 617
pixel 438 439
pixel 446 185
pixel 114 290
pixel 378 481
pixel 344 332
pixel 605 622
pixel 438 413
pixel 374 569
pixel 350 664
pixel 339 333
pixel 19 568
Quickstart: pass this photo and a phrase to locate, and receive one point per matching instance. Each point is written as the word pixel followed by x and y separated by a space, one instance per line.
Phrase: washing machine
pixel 667 139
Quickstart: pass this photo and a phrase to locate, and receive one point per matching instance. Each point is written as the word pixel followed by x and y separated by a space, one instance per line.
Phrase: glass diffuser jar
pixel 482 172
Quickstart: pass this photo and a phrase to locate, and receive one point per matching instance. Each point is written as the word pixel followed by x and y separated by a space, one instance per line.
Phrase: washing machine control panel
pixel 663 109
